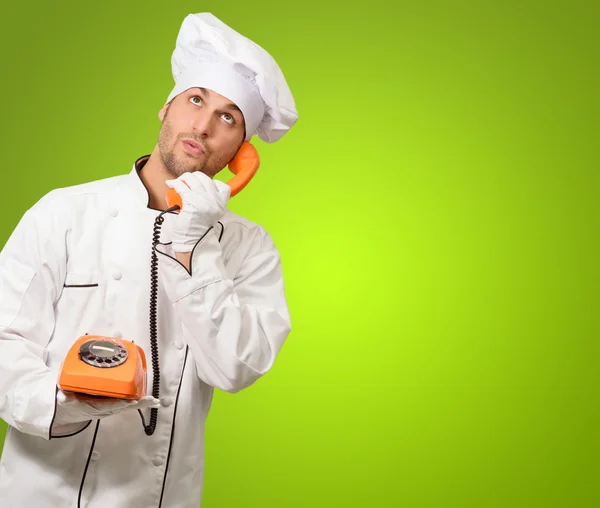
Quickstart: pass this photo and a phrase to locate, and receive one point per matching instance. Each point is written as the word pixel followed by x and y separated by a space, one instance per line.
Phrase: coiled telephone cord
pixel 151 427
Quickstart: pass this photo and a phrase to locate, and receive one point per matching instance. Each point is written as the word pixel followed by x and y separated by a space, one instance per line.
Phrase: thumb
pixel 109 404
pixel 64 398
pixel 148 401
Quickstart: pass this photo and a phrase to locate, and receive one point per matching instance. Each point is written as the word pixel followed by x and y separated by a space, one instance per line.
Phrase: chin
pixel 176 166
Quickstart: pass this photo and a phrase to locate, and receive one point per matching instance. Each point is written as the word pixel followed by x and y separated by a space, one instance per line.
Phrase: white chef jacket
pixel 79 262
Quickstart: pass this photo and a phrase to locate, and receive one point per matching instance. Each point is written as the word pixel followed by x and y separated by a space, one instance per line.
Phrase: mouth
pixel 192 147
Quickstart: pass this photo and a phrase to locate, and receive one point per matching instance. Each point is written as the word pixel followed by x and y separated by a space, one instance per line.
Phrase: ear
pixel 162 112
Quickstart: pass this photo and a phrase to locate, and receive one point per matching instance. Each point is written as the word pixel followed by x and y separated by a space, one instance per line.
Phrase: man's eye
pixel 228 118
pixel 196 99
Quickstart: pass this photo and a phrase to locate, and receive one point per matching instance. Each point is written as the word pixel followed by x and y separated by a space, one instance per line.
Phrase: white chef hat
pixel 209 54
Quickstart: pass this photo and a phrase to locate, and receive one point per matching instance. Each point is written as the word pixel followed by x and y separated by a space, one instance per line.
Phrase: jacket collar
pixel 136 187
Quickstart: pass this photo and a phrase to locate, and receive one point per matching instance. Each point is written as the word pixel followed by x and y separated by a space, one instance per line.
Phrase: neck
pixel 153 176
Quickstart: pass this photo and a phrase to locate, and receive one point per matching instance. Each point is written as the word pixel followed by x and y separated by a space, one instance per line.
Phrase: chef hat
pixel 209 54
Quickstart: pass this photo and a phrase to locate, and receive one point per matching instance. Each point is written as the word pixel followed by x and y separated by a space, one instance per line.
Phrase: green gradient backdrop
pixel 436 208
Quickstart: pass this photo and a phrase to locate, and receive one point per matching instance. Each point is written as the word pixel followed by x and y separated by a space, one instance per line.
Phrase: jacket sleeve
pixel 234 327
pixel 30 275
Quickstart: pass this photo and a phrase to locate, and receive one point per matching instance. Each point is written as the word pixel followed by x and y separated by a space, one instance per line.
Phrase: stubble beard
pixel 177 166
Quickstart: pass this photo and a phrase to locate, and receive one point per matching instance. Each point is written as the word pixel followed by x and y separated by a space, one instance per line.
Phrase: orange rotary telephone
pixel 109 367
pixel 98 365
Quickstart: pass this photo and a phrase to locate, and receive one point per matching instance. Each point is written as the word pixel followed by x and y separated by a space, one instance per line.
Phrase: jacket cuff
pixel 34 404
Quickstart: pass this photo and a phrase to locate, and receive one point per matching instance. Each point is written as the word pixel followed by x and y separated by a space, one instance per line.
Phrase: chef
pixel 78 263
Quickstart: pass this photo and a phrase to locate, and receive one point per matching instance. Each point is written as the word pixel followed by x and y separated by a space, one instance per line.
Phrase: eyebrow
pixel 230 106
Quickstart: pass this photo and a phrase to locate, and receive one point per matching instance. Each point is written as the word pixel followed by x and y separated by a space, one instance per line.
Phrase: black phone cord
pixel 149 429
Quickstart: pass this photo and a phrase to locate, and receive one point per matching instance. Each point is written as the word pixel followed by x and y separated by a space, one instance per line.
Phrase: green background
pixel 436 208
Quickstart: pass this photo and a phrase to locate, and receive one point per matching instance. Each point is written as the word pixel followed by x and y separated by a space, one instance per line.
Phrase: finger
pixel 179 186
pixel 223 190
pixel 216 190
pixel 87 399
pixel 210 193
pixel 109 403
pixel 65 398
pixel 146 398
pixel 197 181
pixel 149 401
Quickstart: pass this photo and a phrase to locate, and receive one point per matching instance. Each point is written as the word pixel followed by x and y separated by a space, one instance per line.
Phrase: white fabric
pixel 220 327
pixel 210 54
pixel 204 201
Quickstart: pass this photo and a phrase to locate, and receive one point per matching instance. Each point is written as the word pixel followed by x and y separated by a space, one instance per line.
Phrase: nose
pixel 202 123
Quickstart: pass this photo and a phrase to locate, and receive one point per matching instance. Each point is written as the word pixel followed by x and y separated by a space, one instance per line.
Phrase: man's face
pixel 201 131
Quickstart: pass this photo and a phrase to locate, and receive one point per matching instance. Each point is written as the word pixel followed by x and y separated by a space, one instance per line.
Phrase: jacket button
pixel 113 212
pixel 117 275
pixel 166 401
pixel 95 456
pixel 157 461
pixel 178 344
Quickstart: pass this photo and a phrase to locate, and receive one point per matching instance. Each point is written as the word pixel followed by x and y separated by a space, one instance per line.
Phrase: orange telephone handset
pixel 104 366
pixel 244 165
